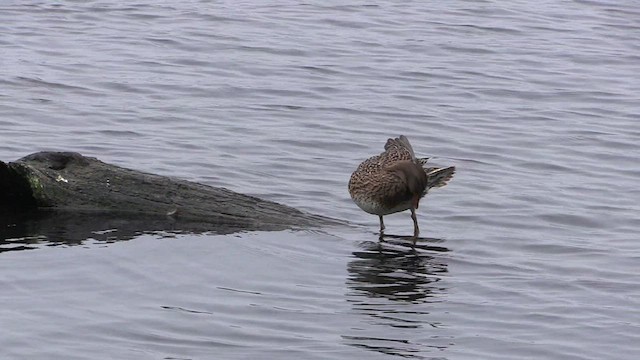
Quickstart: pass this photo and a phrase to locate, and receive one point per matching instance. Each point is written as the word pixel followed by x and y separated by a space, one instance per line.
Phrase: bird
pixel 395 181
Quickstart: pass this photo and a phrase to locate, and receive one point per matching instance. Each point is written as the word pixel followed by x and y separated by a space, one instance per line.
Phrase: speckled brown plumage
pixel 395 181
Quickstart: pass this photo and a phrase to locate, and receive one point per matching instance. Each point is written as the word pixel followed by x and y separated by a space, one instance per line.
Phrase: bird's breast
pixel 376 207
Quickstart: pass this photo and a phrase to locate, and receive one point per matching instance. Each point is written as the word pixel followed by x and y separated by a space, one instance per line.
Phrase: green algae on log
pixel 71 182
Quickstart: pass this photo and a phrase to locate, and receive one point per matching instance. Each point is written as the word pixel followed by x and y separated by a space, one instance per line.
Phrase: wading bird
pixel 395 181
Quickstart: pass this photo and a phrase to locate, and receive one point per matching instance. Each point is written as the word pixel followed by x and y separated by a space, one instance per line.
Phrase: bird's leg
pixel 381 225
pixel 416 230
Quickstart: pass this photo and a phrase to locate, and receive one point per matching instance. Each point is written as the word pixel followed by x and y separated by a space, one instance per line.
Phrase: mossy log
pixel 71 183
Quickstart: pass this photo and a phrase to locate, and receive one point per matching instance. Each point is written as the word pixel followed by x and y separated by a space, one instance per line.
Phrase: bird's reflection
pixel 395 270
pixel 392 285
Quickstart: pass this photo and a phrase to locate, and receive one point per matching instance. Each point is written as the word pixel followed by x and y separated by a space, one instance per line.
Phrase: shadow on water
pixel 392 285
pixel 33 229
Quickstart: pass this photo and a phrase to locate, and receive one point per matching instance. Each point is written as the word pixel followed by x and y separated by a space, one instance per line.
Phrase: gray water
pixel 531 252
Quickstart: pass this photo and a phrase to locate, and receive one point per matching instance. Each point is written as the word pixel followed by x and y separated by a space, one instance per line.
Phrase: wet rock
pixel 70 182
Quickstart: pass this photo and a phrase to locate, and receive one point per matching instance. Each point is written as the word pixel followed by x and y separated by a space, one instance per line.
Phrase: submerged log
pixel 69 182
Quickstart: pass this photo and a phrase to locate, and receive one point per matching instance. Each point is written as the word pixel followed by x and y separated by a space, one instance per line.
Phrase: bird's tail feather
pixel 439 177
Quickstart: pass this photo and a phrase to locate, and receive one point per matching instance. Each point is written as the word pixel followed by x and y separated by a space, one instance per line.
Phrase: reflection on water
pixel 393 284
pixel 30 230
pixel 394 270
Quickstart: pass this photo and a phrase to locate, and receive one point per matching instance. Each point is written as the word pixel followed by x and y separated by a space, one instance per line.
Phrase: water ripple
pixel 532 247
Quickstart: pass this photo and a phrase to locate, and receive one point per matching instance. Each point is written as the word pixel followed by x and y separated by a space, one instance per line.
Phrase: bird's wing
pixel 397 149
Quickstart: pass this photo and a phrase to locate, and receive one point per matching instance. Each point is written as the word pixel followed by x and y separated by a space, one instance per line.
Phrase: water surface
pixel 530 252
